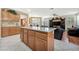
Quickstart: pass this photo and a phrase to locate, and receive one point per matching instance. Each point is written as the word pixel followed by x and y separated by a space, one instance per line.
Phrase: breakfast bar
pixel 38 38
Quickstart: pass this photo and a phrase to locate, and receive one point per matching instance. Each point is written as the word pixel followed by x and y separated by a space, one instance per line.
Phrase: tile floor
pixel 65 46
pixel 13 43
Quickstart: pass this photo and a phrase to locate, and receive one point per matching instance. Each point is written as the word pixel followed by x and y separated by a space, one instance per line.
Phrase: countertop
pixel 11 26
pixel 42 29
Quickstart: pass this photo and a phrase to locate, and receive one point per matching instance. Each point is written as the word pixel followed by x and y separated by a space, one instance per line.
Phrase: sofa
pixel 74 32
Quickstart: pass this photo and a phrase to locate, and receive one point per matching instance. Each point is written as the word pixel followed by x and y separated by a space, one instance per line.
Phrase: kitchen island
pixel 38 38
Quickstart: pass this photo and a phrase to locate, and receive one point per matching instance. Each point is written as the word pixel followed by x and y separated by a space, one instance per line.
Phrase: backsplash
pixel 9 23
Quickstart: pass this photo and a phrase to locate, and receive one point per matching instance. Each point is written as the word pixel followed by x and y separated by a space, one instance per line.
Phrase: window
pixel 78 20
pixel 34 21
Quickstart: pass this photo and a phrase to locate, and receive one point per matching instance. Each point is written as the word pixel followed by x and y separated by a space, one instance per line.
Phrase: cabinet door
pixel 12 30
pixel 31 39
pixel 31 42
pixel 17 30
pixel 17 17
pixel 40 45
pixel 22 34
pixel 13 17
pixel 4 14
pixel 9 16
pixel 25 36
pixel 5 31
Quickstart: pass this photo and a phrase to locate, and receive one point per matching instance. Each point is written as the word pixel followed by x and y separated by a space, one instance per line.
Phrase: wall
pixel 78 20
pixel 10 24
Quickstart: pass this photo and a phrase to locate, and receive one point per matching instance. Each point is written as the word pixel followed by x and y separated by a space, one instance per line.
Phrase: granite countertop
pixel 42 29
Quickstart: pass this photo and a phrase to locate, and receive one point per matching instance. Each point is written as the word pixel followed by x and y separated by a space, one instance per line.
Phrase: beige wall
pixel 10 23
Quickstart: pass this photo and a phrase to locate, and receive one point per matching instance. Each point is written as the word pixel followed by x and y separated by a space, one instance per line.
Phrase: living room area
pixel 70 35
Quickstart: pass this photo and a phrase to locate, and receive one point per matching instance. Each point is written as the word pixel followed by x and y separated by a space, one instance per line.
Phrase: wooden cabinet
pixel 8 31
pixel 4 31
pixel 4 14
pixel 41 35
pixel 31 39
pixel 40 45
pixel 22 34
pixel 25 37
pixel 14 30
pixel 17 30
pixel 74 40
pixel 38 41
pixel 9 16
pixel 12 17
pixel 44 41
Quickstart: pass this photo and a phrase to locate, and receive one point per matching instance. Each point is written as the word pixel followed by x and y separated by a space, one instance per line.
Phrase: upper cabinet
pixel 9 15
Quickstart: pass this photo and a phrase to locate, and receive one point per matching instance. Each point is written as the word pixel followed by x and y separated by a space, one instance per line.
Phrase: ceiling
pixel 48 11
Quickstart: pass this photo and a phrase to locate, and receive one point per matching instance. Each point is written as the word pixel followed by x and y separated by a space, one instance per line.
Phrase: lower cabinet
pixel 14 30
pixel 25 37
pixel 4 31
pixel 40 45
pixel 22 34
pixel 37 41
pixel 8 31
pixel 17 30
pixel 31 39
pixel 31 43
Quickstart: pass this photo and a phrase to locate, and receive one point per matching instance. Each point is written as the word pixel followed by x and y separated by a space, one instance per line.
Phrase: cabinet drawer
pixel 31 42
pixel 41 35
